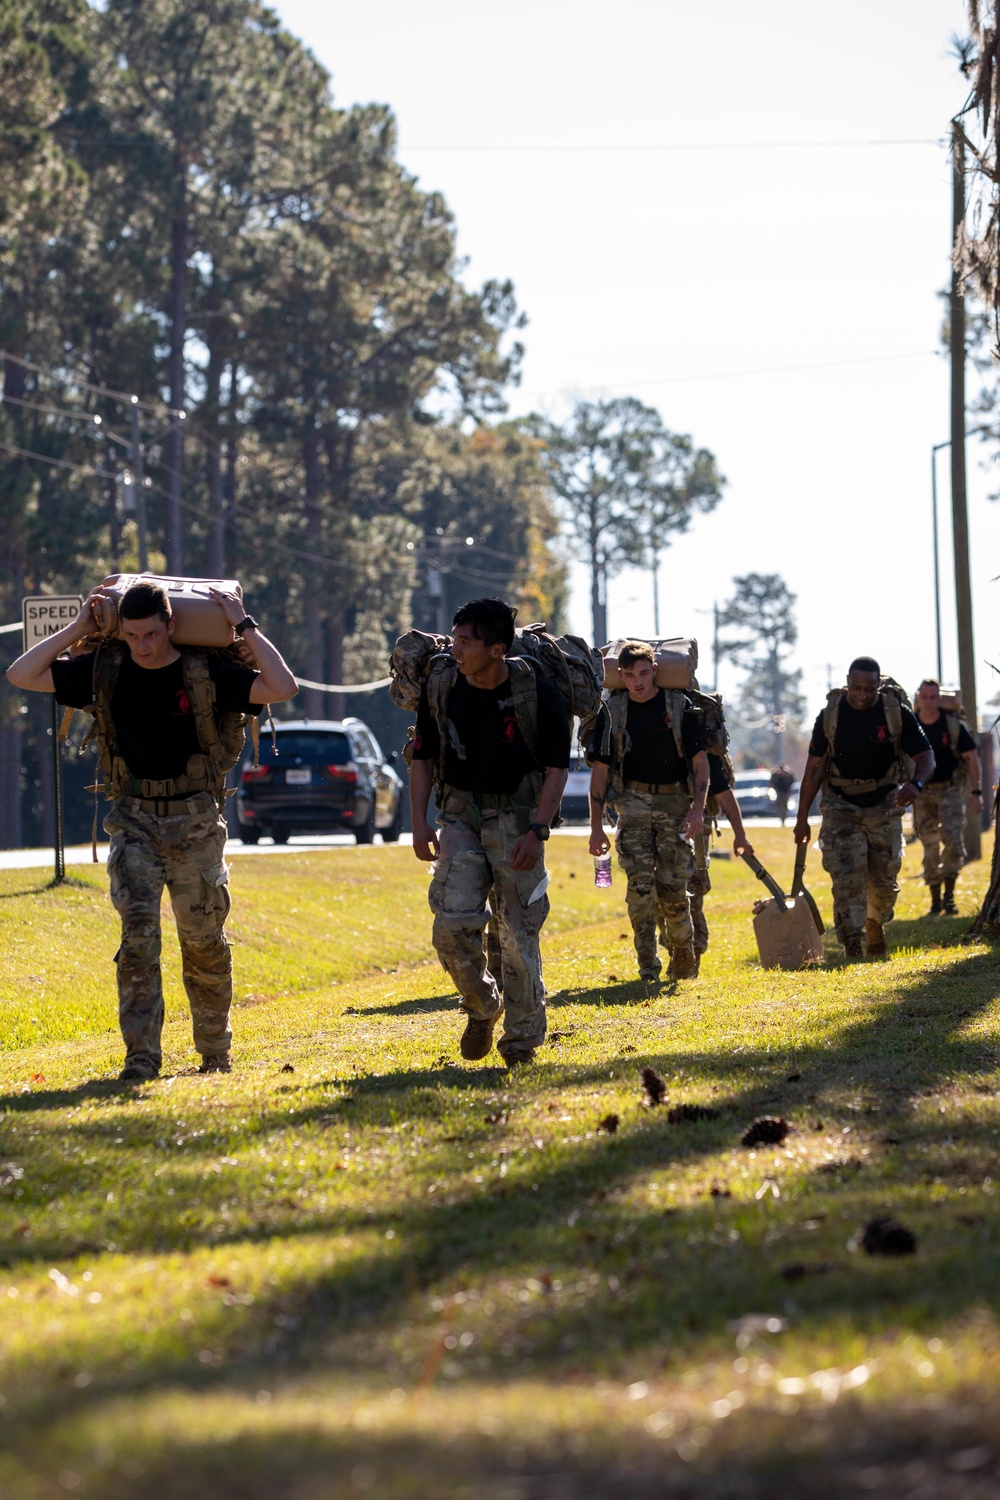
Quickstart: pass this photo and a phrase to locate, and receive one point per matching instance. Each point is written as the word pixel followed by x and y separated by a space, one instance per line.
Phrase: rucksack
pixel 894 700
pixel 575 669
pixel 220 737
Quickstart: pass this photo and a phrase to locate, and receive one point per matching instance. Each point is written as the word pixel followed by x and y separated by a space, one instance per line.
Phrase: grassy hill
pixel 358 1265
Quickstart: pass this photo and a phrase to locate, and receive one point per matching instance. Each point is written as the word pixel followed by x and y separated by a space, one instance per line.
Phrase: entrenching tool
pixel 787 928
pixel 798 889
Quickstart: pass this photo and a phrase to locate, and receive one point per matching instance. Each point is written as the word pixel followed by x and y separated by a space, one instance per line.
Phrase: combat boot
pixel 216 1062
pixel 477 1038
pixel 852 949
pixel 683 964
pixel 874 940
pixel 936 907
pixel 950 909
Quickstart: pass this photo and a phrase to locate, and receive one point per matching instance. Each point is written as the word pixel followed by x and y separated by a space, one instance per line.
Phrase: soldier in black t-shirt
pixel 857 754
pixel 648 755
pixel 939 811
pixel 165 782
pixel 493 738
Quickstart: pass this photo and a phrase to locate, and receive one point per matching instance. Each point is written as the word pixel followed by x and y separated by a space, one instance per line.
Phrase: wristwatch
pixel 918 784
pixel 540 830
pixel 977 791
pixel 245 624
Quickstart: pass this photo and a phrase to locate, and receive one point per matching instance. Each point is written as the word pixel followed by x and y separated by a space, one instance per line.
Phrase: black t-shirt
pixel 863 747
pixel 496 756
pixel 653 756
pixel 154 725
pixel 945 753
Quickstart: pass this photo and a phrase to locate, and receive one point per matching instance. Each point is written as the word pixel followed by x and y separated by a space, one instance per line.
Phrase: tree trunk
pixel 987 923
pixel 598 613
pixel 313 705
pixel 178 326
pixel 213 459
pixel 336 702
pixel 229 478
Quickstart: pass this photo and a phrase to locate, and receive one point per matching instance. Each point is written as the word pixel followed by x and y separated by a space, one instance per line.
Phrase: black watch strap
pixel 540 830
pixel 918 784
pixel 245 624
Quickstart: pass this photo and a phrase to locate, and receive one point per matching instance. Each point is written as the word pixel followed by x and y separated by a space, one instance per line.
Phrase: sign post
pixel 44 615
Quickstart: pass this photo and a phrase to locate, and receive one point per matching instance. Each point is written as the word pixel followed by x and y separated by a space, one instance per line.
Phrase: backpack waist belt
pixel 859 785
pixel 525 795
pixel 174 807
pixel 656 788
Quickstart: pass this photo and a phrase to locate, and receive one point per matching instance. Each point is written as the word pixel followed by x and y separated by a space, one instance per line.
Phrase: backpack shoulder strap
pixel 524 692
pixel 893 717
pixel 831 717
pixel 108 658
pixel 200 689
pixel 678 704
pixel 440 680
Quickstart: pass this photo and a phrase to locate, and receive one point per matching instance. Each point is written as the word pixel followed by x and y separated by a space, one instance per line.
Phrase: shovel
pixel 798 889
pixel 769 880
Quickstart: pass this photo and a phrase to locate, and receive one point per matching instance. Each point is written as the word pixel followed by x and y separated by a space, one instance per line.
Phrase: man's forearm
pixel 598 794
pixel 731 808
pixel 275 678
pixel 550 796
pixel 421 781
pixel 33 665
pixel 700 790
pixel 923 766
pixel 971 758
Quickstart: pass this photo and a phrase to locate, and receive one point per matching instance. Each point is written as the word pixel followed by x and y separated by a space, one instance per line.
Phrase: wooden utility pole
pixel 959 499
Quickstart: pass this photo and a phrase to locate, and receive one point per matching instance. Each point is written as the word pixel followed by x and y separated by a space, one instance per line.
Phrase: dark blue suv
pixel 328 776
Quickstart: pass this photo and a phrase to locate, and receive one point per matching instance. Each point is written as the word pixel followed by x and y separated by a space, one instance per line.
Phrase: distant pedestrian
pixel 648 755
pixel 858 756
pixel 782 781
pixel 954 785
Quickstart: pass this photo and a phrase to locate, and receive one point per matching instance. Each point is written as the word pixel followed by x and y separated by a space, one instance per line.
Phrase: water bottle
pixel 602 870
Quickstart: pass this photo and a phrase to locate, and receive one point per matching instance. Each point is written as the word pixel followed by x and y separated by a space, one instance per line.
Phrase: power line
pixel 580 147
pixel 101 390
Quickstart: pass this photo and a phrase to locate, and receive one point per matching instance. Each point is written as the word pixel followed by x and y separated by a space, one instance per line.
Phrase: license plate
pixel 298 778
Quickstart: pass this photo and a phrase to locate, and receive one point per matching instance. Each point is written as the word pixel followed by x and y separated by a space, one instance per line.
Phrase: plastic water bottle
pixel 602 870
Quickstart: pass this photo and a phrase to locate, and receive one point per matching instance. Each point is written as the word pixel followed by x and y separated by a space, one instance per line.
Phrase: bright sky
pixel 781 305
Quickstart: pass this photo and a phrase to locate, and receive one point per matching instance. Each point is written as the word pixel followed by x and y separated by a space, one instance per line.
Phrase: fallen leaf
pixel 38 1078
pixel 766 1130
pixel 612 979
pixel 217 1281
pixel 887 1236
pixel 287 1068
pixel 654 1086
pixel 609 1124
pixel 684 1112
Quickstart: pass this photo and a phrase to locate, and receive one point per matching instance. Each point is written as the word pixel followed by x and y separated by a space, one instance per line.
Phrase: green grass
pixel 358 1265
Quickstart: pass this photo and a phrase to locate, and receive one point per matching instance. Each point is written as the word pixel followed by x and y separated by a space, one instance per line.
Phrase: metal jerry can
pixel 788 929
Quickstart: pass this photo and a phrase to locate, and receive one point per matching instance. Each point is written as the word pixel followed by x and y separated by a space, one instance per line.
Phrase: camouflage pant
pixel 658 865
pixel 862 852
pixel 939 818
pixel 473 868
pixel 185 854
pixel 698 888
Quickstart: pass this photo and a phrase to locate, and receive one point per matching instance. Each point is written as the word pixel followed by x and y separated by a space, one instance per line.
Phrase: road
pixel 80 854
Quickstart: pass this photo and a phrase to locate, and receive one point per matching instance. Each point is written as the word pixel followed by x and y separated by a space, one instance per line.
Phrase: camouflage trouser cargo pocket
pixel 939 820
pixel 862 852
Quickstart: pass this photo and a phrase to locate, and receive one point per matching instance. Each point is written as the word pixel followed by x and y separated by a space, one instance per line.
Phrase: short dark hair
pixel 143 600
pixel 929 682
pixel 865 664
pixel 492 621
pixel 633 651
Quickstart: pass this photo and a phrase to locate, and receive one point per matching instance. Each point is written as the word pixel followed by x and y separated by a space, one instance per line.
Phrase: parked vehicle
pixel 757 798
pixel 328 776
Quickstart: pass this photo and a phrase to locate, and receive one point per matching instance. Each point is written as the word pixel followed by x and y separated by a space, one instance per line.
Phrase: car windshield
pixel 748 779
pixel 317 747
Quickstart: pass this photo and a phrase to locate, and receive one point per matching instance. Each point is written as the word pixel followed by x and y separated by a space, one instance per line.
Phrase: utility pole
pixel 135 458
pixel 959 499
pixel 715 647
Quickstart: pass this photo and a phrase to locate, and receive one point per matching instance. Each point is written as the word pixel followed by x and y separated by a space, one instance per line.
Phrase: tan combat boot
pixel 853 949
pixel 874 939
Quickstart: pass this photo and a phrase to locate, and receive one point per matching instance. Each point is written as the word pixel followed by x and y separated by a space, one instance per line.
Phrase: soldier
pixel 700 883
pixel 493 738
pixel 648 753
pixel 857 755
pixel 781 784
pixel 939 811
pixel 163 722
